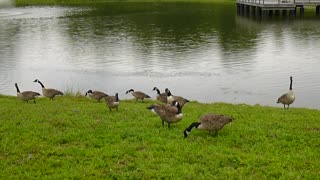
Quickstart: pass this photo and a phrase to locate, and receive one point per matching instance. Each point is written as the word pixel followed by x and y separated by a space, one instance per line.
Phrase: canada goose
pixel 48 92
pixel 168 113
pixel 209 122
pixel 160 96
pixel 97 95
pixel 26 95
pixel 288 98
pixel 182 101
pixel 138 94
pixel 112 101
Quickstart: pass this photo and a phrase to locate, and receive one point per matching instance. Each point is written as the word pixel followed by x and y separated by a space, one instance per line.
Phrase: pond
pixel 201 51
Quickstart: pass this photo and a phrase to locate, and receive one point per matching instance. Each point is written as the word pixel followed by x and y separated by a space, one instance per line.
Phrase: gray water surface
pixel 204 52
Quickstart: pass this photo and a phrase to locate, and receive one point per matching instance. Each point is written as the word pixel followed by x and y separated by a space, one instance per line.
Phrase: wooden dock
pixel 270 7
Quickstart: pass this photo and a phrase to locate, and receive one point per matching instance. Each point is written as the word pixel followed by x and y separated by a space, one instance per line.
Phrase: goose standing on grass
pixel 160 96
pixel 170 98
pixel 26 95
pixel 50 93
pixel 138 94
pixel 168 113
pixel 97 95
pixel 112 102
pixel 209 122
pixel 288 98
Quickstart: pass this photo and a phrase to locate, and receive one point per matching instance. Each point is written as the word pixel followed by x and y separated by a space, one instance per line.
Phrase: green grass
pixel 97 2
pixel 75 137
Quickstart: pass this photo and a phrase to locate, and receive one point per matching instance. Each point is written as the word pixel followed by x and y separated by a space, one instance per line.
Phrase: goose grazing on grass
pixel 97 95
pixel 170 98
pixel 48 92
pixel 138 94
pixel 168 113
pixel 112 102
pixel 288 98
pixel 209 122
pixel 26 95
pixel 160 96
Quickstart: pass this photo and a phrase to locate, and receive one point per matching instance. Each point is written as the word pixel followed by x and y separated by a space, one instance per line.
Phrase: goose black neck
pixel 158 91
pixel 194 124
pixel 18 90
pixel 290 83
pixel 179 109
pixel 41 84
pixel 169 93
pixel 117 98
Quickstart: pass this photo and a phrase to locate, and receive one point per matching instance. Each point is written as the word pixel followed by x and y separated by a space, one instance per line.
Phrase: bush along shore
pixel 99 2
pixel 74 137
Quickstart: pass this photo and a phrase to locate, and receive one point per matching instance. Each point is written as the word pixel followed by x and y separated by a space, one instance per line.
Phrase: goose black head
pixel 131 90
pixel 117 97
pixel 229 119
pixel 90 91
pixel 167 91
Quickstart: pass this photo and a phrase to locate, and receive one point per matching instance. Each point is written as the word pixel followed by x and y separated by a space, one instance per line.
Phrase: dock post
pixel 293 12
pixel 259 9
pixel 270 13
pixel 317 10
pixel 301 11
pixel 247 9
pixel 284 13
pixel 277 12
pixel 253 10
pixel 242 8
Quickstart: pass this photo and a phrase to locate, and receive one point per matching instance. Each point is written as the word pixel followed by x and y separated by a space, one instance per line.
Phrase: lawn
pixel 76 137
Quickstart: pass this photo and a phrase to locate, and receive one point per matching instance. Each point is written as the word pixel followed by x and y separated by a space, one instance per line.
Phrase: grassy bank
pixel 73 137
pixel 96 2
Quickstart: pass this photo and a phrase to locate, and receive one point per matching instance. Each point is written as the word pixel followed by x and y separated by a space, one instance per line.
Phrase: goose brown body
pixel 287 98
pixel 168 113
pixel 170 98
pixel 112 102
pixel 97 95
pixel 138 94
pixel 161 96
pixel 48 92
pixel 26 95
pixel 209 122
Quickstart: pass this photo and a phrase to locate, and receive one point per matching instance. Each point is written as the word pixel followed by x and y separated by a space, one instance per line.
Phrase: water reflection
pixel 201 51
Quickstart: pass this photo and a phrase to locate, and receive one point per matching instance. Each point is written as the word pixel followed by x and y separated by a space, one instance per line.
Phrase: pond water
pixel 204 52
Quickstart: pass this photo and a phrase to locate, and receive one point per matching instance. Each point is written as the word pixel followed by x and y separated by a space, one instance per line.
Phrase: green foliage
pixel 76 137
pixel 97 2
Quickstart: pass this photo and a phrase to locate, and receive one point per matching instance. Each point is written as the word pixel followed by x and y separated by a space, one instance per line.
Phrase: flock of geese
pixel 170 109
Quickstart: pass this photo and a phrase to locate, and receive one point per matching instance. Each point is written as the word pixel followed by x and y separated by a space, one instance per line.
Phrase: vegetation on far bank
pixel 96 2
pixel 75 137
pixel 125 5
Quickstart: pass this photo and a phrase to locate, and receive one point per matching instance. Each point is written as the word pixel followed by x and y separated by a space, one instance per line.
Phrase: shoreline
pixel 81 96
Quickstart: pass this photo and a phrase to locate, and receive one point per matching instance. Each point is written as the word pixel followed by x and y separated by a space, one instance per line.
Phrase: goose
pixel 170 98
pixel 288 98
pixel 138 94
pixel 26 95
pixel 97 95
pixel 160 96
pixel 209 122
pixel 48 92
pixel 112 101
pixel 168 113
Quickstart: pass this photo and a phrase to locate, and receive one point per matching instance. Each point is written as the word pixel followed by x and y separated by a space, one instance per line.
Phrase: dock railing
pixel 311 2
